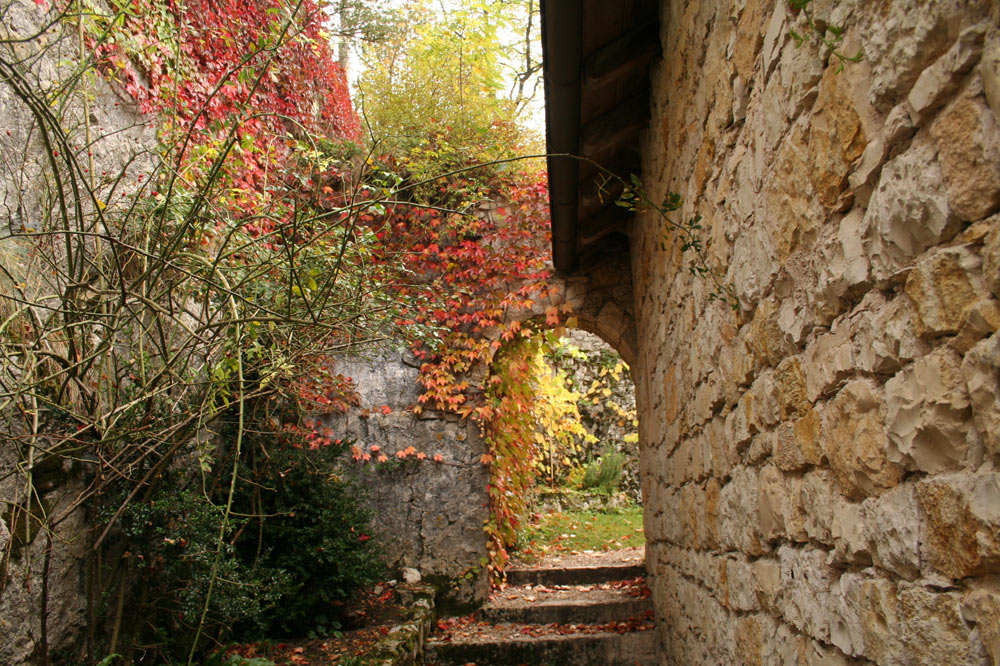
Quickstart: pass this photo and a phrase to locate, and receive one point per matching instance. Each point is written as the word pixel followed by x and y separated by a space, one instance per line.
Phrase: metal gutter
pixel 562 53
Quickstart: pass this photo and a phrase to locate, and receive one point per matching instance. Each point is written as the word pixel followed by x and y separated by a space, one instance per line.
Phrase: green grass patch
pixel 570 532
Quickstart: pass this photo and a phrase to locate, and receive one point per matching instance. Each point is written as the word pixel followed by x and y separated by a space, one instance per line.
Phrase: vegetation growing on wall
pixel 187 305
pixel 169 320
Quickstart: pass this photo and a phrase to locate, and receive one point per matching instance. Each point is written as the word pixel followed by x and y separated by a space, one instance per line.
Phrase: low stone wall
pixel 429 514
pixel 820 466
pixel 575 500
pixel 404 644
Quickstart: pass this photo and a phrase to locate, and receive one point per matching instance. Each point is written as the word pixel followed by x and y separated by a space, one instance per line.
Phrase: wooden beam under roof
pixel 633 50
pixel 613 219
pixel 621 123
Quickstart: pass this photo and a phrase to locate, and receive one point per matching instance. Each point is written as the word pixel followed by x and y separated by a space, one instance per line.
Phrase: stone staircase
pixel 572 616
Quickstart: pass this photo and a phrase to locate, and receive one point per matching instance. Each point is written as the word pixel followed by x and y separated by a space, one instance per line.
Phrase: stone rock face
pixel 430 514
pixel 928 414
pixel 820 467
pixel 856 442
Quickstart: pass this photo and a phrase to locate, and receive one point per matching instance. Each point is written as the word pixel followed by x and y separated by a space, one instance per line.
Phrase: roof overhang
pixel 596 56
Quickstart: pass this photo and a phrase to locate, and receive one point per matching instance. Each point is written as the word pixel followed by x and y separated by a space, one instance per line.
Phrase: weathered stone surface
pixel 850 537
pixel 898 128
pixel 820 503
pixel 836 139
pixel 892 528
pixel 791 388
pixel 966 133
pixel 981 320
pixel 982 607
pixel 829 361
pixel 936 83
pixel 981 370
pixel 991 257
pixel 855 442
pixel 860 243
pixel 797 444
pixel 927 414
pixel 989 71
pixel 909 211
pixel 943 287
pixel 933 627
pixel 765 336
pixel 869 619
pixel 767 578
pixel 961 534
pixel 426 519
pixel 808 583
pixel 906 39
pixel 737 501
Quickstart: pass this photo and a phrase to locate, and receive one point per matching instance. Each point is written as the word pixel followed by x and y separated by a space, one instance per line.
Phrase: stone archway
pixel 431 514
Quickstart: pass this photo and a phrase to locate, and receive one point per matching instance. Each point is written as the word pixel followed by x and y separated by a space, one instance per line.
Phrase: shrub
pixel 605 473
pixel 315 531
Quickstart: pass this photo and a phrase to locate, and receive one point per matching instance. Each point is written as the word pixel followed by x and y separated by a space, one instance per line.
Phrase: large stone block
pixel 869 619
pixel 855 441
pixel 933 629
pixel 928 414
pixel 738 501
pixel 961 519
pixel 850 536
pixel 981 370
pixel 908 37
pixel 909 211
pixel 939 81
pixel 892 527
pixel 765 337
pixel 791 389
pixel 969 149
pixel 829 360
pixel 808 602
pixel 820 503
pixel 798 444
pixel 943 288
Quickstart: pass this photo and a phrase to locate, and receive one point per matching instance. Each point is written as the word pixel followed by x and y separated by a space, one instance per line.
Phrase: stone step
pixel 564 605
pixel 575 575
pixel 634 648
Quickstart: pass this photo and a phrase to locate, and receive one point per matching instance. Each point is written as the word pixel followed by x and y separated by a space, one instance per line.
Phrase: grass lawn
pixel 578 531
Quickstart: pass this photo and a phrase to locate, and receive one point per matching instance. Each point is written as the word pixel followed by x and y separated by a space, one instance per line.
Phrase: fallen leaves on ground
pixel 375 612
pixel 470 628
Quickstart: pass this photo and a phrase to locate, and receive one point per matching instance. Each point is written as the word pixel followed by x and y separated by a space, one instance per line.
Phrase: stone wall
pixel 429 514
pixel 42 569
pixel 820 467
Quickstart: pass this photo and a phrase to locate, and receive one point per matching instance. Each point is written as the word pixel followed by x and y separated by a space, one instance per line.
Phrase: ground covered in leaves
pixel 369 617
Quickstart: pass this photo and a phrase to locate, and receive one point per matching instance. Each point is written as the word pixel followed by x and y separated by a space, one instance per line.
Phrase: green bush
pixel 316 533
pixel 605 473
pixel 297 545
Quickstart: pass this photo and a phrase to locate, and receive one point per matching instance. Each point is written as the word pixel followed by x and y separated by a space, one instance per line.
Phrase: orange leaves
pixel 486 459
pixel 552 315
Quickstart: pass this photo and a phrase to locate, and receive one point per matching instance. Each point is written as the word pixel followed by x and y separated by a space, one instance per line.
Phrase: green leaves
pixel 820 31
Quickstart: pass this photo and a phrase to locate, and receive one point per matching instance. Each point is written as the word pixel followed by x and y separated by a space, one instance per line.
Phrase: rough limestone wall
pixel 428 515
pixel 820 469
pixel 120 137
